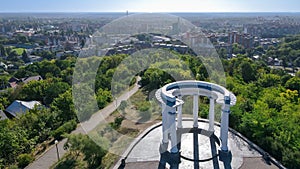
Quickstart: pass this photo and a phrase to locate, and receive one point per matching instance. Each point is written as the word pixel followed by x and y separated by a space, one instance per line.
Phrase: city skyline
pixel 147 6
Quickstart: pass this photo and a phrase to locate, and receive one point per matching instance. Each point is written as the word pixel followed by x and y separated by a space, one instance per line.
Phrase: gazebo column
pixel 172 129
pixel 179 114
pixel 224 127
pixel 195 111
pixel 169 132
pixel 211 114
pixel 169 128
pixel 165 125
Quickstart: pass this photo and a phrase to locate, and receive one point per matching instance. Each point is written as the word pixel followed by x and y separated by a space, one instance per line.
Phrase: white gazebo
pixel 170 97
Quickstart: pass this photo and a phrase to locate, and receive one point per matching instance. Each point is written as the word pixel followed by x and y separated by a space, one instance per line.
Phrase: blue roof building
pixel 20 107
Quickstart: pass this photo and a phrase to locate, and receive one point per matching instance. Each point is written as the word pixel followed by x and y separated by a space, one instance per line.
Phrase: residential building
pixel 13 82
pixel 243 39
pixel 20 107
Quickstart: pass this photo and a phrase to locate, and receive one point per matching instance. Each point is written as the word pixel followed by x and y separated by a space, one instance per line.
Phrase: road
pixel 49 157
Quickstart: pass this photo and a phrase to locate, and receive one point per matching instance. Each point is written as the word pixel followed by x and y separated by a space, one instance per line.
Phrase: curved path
pixel 49 157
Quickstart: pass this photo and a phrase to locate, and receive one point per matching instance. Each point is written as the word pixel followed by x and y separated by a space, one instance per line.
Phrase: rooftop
pixel 20 107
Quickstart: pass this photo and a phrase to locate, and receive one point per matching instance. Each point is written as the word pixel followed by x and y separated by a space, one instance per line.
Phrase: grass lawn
pixel 19 51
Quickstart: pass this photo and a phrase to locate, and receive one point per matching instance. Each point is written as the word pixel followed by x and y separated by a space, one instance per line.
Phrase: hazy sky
pixel 150 5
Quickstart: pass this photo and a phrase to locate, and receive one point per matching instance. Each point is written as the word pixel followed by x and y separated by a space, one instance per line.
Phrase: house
pixel 256 57
pixel 12 67
pixel 34 58
pixel 2 115
pixel 20 107
pixel 3 66
pixel 277 62
pixel 13 82
pixel 32 78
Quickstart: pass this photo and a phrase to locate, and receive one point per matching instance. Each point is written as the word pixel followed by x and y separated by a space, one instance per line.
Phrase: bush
pixel 24 160
pixel 68 127
pixel 117 123
pixel 13 167
pixel 144 106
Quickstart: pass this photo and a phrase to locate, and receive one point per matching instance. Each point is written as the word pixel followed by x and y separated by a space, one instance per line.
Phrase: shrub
pixel 144 106
pixel 13 167
pixel 65 128
pixel 24 160
pixel 117 123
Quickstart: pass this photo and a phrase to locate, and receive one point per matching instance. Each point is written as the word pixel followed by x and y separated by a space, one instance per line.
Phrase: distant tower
pixel 233 37
pixel 175 27
pixel 127 13
pixel 245 30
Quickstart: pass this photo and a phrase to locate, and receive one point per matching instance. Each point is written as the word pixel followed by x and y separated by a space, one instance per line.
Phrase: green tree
pixel 247 72
pixel 223 53
pixel 24 160
pixel 238 49
pixel 2 51
pixel 66 128
pixel 293 84
pixel 82 145
pixel 260 49
pixel 47 55
pixel 48 67
pixel 13 141
pixel 13 56
pixel 103 97
pixel 22 39
pixel 25 57
pixel 34 90
pixel 155 78
pixel 53 90
pixel 269 80
pixel 64 107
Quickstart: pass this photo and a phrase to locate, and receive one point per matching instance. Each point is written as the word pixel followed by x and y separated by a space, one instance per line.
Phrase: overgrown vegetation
pixel 83 152
pixel 25 134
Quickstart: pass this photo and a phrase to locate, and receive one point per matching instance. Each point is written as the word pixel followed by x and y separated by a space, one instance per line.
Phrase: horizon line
pixel 148 12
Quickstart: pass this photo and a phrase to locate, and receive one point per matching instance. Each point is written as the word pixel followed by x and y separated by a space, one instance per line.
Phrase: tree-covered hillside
pixel 267 110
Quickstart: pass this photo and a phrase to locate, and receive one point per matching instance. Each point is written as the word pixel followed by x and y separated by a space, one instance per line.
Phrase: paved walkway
pixel 49 157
